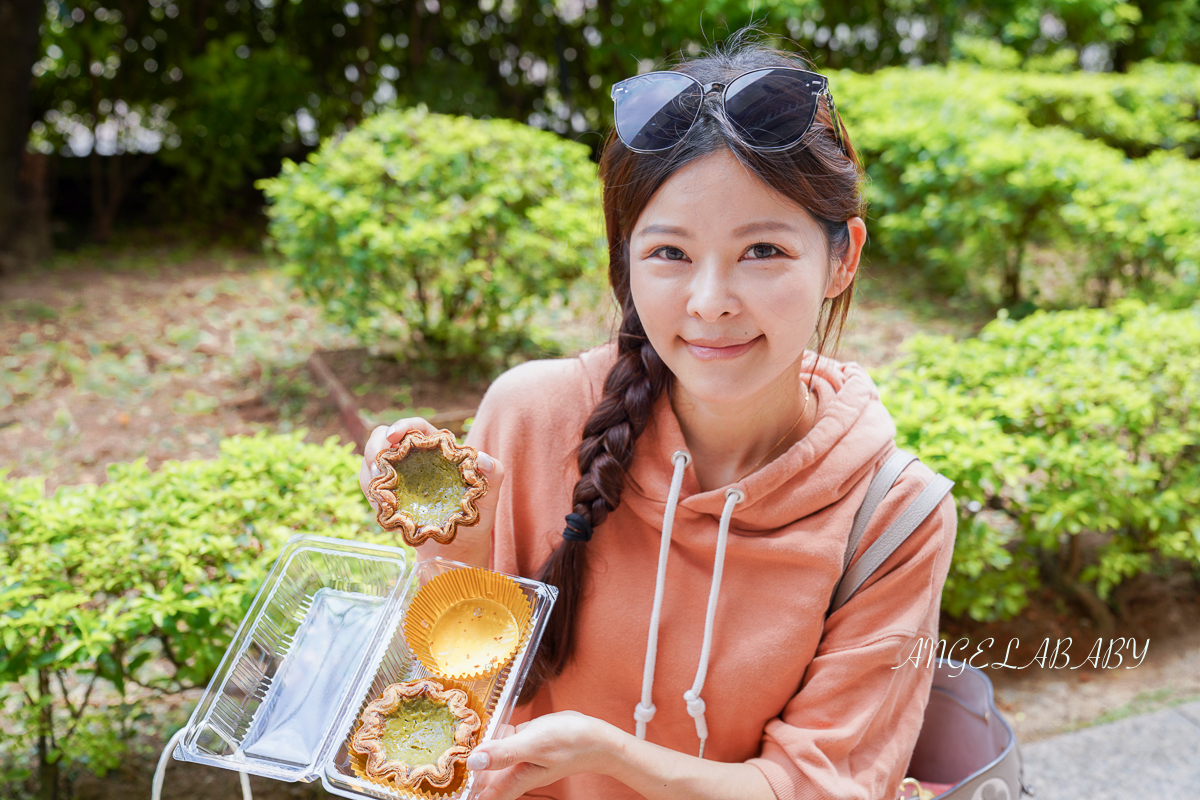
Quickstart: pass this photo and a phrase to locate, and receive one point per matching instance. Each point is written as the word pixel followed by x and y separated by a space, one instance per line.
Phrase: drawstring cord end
pixel 695 708
pixel 642 714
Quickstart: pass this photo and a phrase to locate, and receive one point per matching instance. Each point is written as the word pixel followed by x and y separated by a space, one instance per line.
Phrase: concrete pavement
pixel 1149 757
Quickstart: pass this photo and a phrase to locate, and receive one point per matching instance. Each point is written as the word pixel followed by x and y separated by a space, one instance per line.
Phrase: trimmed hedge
pixel 1152 107
pixel 99 584
pixel 963 183
pixel 444 232
pixel 1060 427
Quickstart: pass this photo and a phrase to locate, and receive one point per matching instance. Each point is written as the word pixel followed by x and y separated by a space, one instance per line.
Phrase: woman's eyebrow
pixel 669 230
pixel 766 226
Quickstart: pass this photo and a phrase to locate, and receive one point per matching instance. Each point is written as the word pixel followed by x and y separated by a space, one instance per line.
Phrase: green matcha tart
pixel 417 734
pixel 427 487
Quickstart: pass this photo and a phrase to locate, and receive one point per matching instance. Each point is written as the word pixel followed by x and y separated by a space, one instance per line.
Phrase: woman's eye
pixel 670 253
pixel 763 250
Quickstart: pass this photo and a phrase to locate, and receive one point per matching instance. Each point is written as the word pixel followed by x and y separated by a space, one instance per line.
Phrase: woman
pixel 708 468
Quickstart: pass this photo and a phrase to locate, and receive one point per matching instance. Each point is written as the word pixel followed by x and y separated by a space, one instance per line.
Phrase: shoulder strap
pixel 900 529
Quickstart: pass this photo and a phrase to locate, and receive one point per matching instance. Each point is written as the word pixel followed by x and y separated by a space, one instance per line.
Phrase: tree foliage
pixel 226 90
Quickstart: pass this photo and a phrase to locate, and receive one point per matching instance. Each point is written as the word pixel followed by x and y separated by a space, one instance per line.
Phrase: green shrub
pixel 1153 106
pixel 963 186
pixel 453 227
pixel 114 593
pixel 1073 440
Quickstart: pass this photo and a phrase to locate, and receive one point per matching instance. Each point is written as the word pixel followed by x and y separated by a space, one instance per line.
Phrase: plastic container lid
pixel 323 632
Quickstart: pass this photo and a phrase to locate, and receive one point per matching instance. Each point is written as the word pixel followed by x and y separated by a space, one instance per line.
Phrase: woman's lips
pixel 717 349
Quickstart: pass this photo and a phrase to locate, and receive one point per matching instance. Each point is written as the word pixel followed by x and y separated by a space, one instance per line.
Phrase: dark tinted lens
pixel 653 112
pixel 773 107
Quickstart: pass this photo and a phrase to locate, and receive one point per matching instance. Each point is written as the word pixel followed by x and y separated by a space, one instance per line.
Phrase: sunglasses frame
pixel 722 89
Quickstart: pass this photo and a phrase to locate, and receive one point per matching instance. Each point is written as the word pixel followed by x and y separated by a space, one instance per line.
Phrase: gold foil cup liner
pixel 358 763
pixel 467 623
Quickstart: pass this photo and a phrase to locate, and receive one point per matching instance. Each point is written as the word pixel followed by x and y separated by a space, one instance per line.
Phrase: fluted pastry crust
pixel 383 489
pixel 366 740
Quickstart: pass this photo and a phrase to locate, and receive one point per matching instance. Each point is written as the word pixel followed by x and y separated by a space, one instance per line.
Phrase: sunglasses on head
pixel 771 108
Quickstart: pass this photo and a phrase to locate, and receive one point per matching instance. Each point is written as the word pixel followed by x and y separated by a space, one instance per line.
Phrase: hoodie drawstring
pixel 643 712
pixel 695 704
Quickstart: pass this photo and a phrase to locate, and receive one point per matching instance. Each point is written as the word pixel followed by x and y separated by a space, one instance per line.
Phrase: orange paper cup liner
pixel 467 624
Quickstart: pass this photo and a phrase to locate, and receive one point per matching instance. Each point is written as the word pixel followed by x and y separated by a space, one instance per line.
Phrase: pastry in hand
pixel 427 487
pixel 417 732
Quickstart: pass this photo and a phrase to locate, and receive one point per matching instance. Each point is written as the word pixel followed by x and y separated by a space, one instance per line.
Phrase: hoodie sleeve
pixel 531 419
pixel 850 731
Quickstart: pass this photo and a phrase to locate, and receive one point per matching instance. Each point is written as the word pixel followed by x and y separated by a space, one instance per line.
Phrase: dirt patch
pixel 107 365
pixel 386 390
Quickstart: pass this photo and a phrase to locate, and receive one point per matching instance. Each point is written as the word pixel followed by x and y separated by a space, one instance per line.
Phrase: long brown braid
pixel 821 175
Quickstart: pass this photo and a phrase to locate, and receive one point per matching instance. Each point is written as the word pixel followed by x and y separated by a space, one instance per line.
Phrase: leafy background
pixel 197 196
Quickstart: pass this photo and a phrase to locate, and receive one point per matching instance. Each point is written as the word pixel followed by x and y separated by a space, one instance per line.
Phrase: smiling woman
pixel 736 277
pixel 691 488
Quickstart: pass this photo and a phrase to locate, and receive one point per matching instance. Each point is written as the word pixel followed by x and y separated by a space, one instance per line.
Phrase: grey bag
pixel 963 741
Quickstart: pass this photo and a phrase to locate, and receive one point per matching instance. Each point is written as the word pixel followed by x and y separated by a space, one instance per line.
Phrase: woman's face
pixel 728 278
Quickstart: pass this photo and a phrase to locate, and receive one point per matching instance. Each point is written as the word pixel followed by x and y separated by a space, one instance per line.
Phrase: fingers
pixel 495 755
pixel 540 752
pixel 368 471
pixel 512 783
pixel 396 431
pixel 493 471
pixel 382 438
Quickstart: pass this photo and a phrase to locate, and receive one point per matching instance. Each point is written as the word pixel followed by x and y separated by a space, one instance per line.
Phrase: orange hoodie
pixel 825 708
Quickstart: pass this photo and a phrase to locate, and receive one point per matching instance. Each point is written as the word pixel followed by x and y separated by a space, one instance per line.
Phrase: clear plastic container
pixel 322 639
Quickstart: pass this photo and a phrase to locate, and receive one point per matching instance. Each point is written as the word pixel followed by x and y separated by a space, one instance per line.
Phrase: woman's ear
pixel 843 271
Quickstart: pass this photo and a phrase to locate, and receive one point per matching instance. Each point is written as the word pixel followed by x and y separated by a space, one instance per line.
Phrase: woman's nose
pixel 711 294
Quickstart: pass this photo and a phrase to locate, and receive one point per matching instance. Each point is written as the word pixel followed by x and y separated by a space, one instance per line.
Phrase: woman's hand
pixel 550 748
pixel 472 545
pixel 541 752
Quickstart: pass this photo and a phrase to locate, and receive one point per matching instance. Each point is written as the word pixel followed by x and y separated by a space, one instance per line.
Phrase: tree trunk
pixel 1012 277
pixel 19 21
pixel 47 764
pixel 112 177
pixel 33 184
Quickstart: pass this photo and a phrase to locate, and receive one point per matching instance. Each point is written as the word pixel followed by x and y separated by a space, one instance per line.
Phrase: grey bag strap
pixel 896 533
pixel 942 736
pixel 880 484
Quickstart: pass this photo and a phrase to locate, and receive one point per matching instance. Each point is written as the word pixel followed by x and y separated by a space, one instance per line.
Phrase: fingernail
pixel 478 760
pixel 485 463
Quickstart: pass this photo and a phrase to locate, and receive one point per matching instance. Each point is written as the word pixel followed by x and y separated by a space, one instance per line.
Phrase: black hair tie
pixel 578 529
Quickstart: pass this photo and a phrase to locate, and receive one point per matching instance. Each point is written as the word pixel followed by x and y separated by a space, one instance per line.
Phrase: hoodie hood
pixel 852 428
